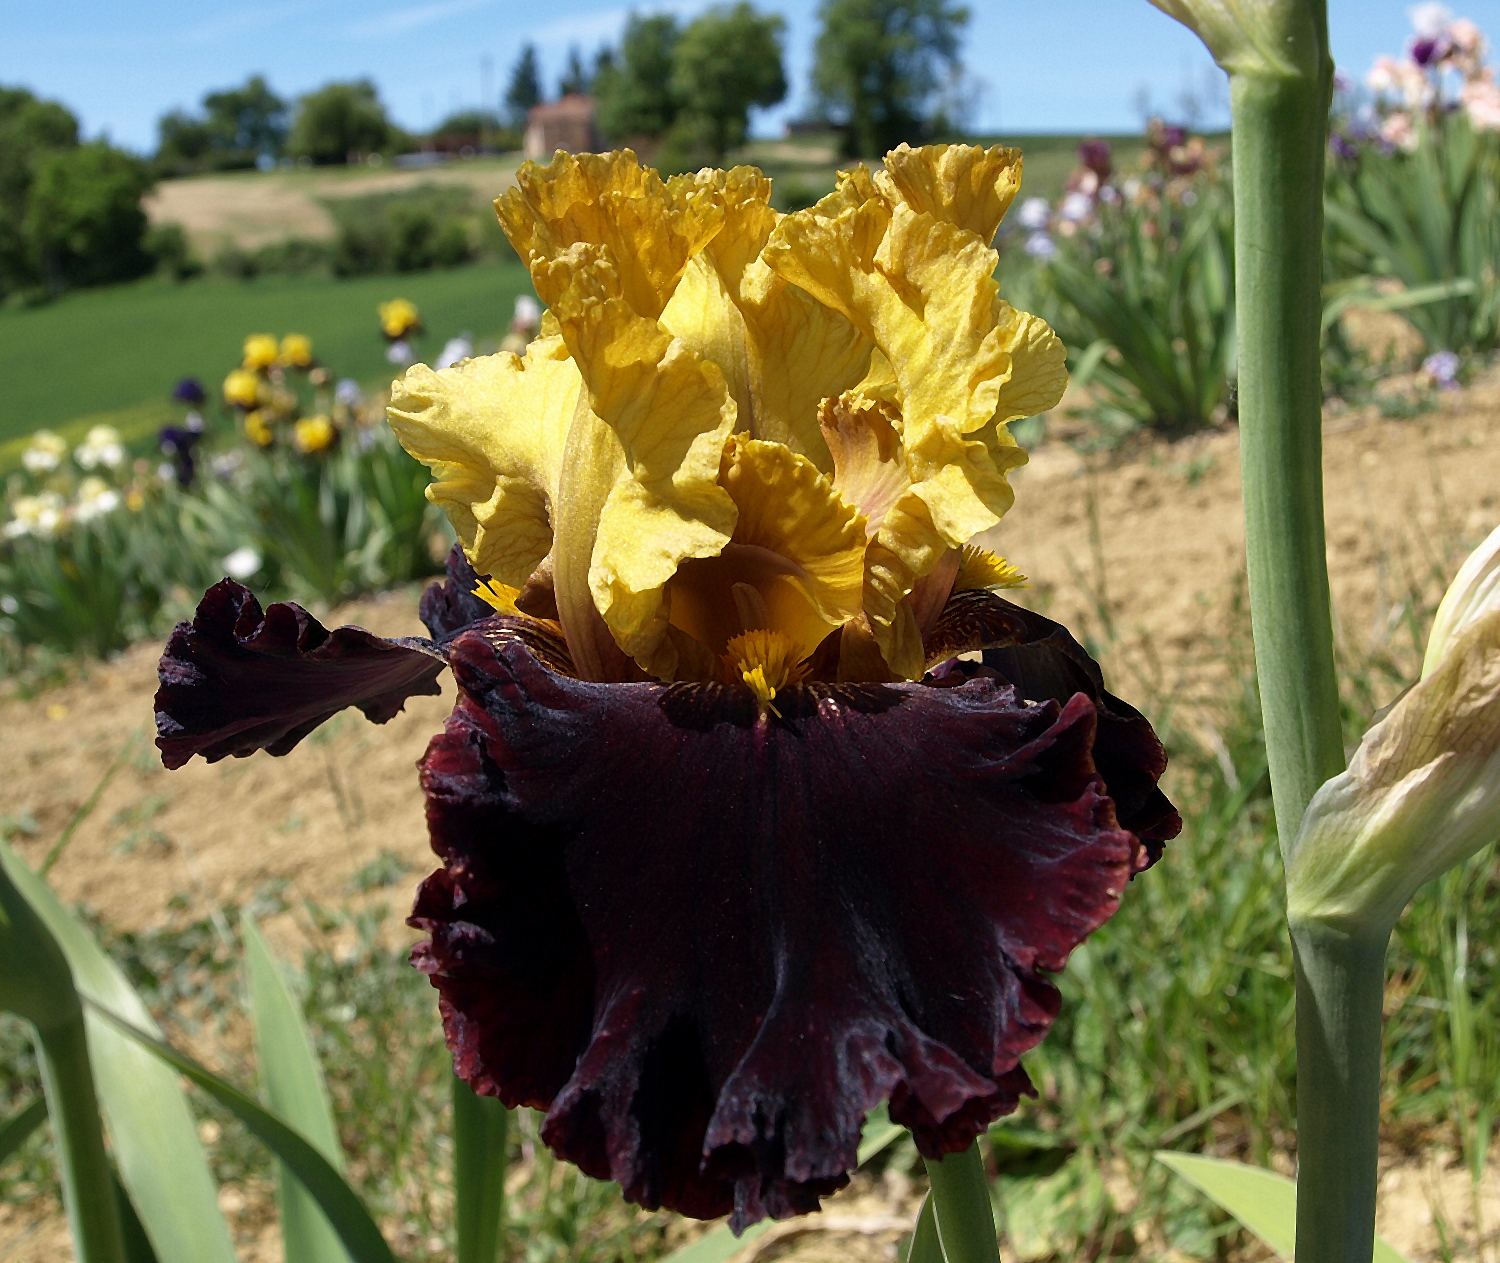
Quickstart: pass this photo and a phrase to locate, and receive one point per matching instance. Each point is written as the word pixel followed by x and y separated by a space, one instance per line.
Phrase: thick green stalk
pixel 1340 990
pixel 88 1188
pixel 479 1150
pixel 961 1206
pixel 1280 133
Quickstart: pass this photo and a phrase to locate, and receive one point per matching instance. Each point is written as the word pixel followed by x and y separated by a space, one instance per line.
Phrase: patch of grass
pixel 124 347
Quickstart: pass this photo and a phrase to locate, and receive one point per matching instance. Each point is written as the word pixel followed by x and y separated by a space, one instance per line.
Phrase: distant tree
pixel 727 60
pixel 252 119
pixel 29 129
pixel 237 127
pixel 341 121
pixel 576 78
pixel 184 143
pixel 467 122
pixel 473 127
pixel 634 93
pixel 84 221
pixel 525 86
pixel 878 65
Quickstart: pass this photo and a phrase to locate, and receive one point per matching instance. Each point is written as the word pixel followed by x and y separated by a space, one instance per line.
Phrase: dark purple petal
pixel 236 680
pixel 450 606
pixel 1042 660
pixel 189 391
pixel 708 943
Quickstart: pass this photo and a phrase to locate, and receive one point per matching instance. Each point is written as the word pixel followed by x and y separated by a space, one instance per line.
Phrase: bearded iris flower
pixel 735 845
pixel 260 352
pixel 399 319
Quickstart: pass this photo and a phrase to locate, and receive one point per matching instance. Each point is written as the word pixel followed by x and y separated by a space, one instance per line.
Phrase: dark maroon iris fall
pixel 704 939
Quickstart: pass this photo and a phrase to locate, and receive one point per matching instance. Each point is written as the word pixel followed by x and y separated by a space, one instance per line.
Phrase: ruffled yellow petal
pixel 922 288
pixel 493 431
pixel 650 227
pixel 794 565
pixel 781 351
pixel 639 490
pixel 958 184
pixel 869 462
pixel 1038 369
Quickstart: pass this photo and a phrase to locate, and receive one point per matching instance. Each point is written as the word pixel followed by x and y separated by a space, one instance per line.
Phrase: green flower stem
pixel 88 1189
pixel 479 1145
pixel 1280 134
pixel 1280 118
pixel 1340 990
pixel 961 1206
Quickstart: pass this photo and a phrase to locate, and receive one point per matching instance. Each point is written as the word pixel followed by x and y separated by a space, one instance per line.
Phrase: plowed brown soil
pixel 1141 552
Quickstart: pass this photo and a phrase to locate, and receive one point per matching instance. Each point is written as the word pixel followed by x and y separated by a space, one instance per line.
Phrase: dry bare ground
pixel 1147 549
pixel 250 209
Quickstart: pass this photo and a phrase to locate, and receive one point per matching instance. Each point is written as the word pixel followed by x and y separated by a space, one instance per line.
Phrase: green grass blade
pixel 721 1244
pixel 16 1130
pixel 87 809
pixel 1261 1201
pixel 293 1085
pixel 347 1214
pixel 479 1138
pixel 925 1245
pixel 154 1138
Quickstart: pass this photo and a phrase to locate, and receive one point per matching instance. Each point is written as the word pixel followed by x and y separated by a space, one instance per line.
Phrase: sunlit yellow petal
pixel 640 488
pixel 781 351
pixel 1038 367
pixel 794 565
pixel 493 431
pixel 962 185
pixel 888 618
pixel 869 461
pixel 922 288
pixel 650 227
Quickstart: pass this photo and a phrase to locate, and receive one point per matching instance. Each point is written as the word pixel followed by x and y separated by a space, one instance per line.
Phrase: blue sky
pixel 1060 65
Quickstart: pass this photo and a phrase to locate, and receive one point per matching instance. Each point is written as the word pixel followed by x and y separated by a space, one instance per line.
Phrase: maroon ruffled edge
pixel 708 942
pixel 238 679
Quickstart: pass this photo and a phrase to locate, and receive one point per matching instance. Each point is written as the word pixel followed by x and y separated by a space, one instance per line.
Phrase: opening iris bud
pixel 1422 792
pixel 1257 37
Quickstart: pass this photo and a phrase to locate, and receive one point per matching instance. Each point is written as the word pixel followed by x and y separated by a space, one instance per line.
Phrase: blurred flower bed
pixel 1135 268
pixel 287 479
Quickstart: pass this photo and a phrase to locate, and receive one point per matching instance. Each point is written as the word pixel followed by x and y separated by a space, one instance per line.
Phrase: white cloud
pixel 403 20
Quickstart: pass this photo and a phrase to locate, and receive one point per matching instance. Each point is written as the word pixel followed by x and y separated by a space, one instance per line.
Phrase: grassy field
pixel 114 354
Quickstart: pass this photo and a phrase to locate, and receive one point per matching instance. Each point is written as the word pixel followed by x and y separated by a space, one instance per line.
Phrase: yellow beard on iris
pixel 748 447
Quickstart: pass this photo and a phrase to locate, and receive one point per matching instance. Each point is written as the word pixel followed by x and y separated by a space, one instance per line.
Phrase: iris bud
pixel 1422 792
pixel 1277 37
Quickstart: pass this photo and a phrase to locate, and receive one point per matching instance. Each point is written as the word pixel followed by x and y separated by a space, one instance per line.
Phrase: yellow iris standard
pixel 747 447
